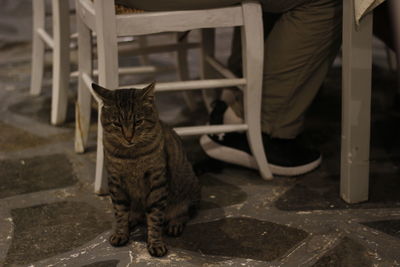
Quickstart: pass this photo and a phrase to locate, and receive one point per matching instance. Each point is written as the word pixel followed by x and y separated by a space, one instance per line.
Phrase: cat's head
pixel 128 115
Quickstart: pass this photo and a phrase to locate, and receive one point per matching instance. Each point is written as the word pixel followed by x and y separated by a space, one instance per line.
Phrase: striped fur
pixel 150 179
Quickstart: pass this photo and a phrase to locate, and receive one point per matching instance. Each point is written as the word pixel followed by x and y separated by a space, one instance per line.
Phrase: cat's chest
pixel 130 177
pixel 133 172
pixel 134 167
pixel 134 180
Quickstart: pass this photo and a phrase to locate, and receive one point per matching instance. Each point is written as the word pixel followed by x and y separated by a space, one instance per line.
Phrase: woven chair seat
pixel 120 10
pixel 126 10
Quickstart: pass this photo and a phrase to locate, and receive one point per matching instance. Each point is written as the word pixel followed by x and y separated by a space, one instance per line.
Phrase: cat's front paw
pixel 157 249
pixel 118 239
pixel 175 229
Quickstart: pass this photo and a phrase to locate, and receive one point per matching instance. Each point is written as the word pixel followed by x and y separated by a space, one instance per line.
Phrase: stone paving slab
pixel 13 139
pixel 217 194
pixel 239 238
pixel 39 108
pixel 21 176
pixel 390 227
pixel 47 230
pixel 347 253
pixel 314 193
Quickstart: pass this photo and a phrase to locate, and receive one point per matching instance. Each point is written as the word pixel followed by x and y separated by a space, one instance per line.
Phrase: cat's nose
pixel 128 134
pixel 129 137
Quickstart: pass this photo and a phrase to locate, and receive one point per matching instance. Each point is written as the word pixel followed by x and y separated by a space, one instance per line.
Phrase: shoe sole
pixel 241 158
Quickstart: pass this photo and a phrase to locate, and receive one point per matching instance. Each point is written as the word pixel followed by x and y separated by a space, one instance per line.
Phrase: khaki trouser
pixel 299 50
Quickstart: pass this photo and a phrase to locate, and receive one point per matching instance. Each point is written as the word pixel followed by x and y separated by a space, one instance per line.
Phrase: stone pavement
pixel 49 215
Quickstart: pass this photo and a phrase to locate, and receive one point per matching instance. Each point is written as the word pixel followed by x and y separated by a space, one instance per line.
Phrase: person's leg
pixel 232 96
pixel 300 47
pixel 298 54
pixel 235 58
pixel 272 10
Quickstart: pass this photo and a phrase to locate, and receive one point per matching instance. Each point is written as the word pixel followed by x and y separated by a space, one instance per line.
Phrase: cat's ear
pixel 103 93
pixel 148 92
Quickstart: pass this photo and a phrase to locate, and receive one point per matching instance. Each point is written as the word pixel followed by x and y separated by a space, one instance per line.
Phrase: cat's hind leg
pixel 177 217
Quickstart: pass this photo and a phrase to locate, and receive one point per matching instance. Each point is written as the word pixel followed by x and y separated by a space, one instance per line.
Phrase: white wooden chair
pixel 100 17
pixel 59 42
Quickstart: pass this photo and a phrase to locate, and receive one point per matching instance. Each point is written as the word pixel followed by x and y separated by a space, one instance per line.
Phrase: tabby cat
pixel 150 179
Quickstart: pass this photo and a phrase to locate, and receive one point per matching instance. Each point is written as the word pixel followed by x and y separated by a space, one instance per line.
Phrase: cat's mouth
pixel 129 143
pixel 124 142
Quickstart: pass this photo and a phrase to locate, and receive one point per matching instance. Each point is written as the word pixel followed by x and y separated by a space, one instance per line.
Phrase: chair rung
pixel 211 129
pixel 219 67
pixel 162 48
pixel 46 38
pixel 131 70
pixel 192 85
pixel 74 74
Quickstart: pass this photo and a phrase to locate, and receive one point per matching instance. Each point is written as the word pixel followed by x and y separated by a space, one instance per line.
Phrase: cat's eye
pixel 116 124
pixel 138 119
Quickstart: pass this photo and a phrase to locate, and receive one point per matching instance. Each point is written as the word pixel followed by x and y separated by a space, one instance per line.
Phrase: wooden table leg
pixel 356 105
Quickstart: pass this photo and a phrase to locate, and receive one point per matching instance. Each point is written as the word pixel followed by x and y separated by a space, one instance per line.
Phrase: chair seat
pixel 144 23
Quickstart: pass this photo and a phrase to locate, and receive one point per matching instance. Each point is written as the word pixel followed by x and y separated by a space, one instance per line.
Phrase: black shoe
pixel 217 113
pixel 287 157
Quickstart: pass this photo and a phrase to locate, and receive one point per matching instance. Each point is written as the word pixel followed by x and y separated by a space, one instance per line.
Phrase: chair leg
pixel 183 71
pixel 207 49
pixel 61 62
pixel 83 104
pixel 100 184
pixel 253 50
pixel 38 47
pixel 107 51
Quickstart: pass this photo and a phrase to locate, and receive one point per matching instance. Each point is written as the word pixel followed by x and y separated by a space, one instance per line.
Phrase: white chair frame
pixel 59 42
pixel 100 17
